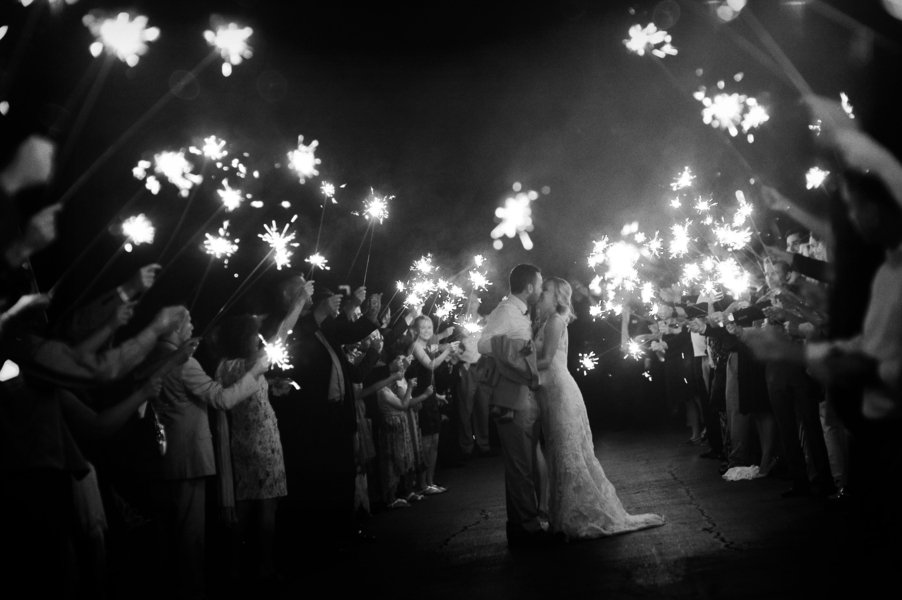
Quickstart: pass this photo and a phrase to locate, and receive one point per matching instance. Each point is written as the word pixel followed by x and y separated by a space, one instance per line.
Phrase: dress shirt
pixel 510 318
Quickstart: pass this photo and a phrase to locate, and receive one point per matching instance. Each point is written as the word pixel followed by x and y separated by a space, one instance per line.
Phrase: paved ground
pixel 722 539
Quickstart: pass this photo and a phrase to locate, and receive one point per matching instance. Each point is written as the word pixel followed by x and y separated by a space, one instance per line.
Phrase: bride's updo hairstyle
pixel 562 298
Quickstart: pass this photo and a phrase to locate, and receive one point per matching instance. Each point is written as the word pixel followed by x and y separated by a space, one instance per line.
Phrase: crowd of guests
pixel 127 446
pixel 800 377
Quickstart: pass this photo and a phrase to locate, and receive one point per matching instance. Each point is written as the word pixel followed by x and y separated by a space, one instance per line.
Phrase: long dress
pixel 582 501
pixel 255 443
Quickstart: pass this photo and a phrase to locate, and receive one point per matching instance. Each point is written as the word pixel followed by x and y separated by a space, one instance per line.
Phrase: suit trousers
pixel 179 512
pixel 473 408
pixel 519 439
pixel 799 423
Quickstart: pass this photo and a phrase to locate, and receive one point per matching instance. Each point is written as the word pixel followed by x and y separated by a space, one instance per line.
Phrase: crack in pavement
pixel 711 527
pixel 483 517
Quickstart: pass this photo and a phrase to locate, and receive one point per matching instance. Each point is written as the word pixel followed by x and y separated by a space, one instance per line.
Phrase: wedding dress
pixel 582 501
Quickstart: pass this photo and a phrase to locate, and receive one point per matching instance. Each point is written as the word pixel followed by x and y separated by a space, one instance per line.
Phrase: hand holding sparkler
pixel 141 281
pixel 263 362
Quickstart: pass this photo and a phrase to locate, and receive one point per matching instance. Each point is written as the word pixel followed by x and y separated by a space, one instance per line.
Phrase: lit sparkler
pixel 815 177
pixel 220 246
pixel 683 181
pixel 137 230
pixel 303 160
pixel 280 242
pixel 516 219
pixel 479 280
pixel 633 350
pixel 424 265
pixel 177 170
pixel 587 362
pixel 376 207
pixel 318 261
pixel 213 148
pixel 328 191
pixel 650 39
pixel 231 198
pixel 679 244
pixel 121 36
pixel 232 43
pixel 731 112
pixel 277 353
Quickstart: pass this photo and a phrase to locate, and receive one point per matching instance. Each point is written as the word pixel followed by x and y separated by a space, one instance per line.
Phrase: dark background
pixel 443 105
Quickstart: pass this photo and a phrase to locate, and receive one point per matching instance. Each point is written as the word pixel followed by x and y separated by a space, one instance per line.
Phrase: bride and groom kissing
pixel 541 419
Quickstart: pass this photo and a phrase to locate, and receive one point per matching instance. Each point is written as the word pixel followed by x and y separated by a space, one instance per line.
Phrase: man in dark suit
pixel 317 424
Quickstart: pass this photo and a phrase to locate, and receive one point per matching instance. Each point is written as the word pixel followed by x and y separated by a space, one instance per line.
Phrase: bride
pixel 582 502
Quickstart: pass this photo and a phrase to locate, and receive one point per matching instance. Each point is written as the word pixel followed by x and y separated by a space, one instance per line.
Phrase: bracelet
pixel 122 295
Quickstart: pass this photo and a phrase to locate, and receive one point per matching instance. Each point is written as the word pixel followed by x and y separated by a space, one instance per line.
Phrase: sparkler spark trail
pixel 137 230
pixel 231 198
pixel 649 39
pixel 633 350
pixel 587 362
pixel 328 191
pixel 303 161
pixel 683 181
pixel 176 169
pixel 280 243
pixel 213 148
pixel 376 207
pixel 121 36
pixel 232 43
pixel 220 246
pixel 318 261
pixel 277 353
pixel 479 281
pixel 731 112
pixel 424 265
pixel 516 219
pixel 815 177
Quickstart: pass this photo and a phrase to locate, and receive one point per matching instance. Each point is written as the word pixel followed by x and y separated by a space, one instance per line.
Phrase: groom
pixel 506 372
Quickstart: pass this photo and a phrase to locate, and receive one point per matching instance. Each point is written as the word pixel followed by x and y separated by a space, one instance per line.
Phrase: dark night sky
pixel 443 106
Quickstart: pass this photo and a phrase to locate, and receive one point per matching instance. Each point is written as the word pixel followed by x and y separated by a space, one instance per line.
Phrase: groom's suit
pixel 518 425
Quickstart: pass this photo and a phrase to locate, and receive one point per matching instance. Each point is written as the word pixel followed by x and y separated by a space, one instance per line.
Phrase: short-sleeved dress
pixel 257 459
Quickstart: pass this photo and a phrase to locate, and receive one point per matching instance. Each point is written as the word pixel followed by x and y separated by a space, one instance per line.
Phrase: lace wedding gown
pixel 582 501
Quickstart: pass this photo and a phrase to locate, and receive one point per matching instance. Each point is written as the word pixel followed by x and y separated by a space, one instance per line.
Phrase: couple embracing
pixel 533 398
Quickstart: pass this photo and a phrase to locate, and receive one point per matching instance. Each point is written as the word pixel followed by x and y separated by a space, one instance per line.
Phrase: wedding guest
pixel 179 486
pixel 427 358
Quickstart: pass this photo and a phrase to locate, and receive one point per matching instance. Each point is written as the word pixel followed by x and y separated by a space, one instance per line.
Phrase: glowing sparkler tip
pixel 318 261
pixel 121 36
pixel 138 230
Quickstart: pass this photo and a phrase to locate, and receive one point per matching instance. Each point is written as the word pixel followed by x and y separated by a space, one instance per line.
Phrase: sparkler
pixel 376 207
pixel 516 219
pixel 231 41
pixel 303 161
pixel 318 261
pixel 277 353
pixel 633 350
pixel 815 177
pixel 280 243
pixel 587 362
pixel 213 148
pixel 650 39
pixel 121 36
pixel 479 281
pixel 177 170
pixel 731 112
pixel 137 230
pixel 220 246
pixel 683 180
pixel 231 198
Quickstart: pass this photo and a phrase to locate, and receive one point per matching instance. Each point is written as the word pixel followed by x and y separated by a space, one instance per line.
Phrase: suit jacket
pixel 182 409
pixel 509 373
pixel 316 433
